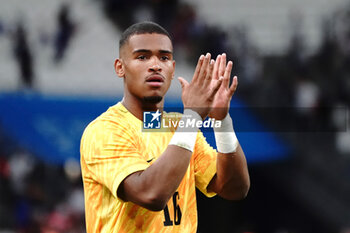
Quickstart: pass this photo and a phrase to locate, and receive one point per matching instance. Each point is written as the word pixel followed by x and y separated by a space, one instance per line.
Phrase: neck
pixel 138 106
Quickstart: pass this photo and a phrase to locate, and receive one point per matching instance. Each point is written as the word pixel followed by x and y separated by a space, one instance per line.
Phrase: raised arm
pixel 232 178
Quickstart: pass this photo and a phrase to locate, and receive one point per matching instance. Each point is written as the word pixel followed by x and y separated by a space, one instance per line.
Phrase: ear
pixel 119 68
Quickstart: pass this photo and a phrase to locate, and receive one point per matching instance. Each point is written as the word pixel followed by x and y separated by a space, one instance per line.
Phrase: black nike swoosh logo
pixel 148 161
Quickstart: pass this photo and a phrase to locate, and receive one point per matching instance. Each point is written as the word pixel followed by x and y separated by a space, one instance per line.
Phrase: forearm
pixel 232 178
pixel 153 187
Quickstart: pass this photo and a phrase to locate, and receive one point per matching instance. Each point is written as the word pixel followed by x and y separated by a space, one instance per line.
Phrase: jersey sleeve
pixel 204 164
pixel 111 153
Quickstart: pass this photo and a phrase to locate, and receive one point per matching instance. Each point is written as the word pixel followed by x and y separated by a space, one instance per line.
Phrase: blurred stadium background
pixel 293 63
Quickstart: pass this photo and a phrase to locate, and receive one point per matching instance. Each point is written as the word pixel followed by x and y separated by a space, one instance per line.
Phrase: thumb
pixel 183 82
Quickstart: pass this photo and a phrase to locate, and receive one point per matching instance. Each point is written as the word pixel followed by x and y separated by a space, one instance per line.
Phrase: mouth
pixel 155 80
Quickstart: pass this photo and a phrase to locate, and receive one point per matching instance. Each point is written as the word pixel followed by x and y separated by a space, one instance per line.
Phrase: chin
pixel 152 99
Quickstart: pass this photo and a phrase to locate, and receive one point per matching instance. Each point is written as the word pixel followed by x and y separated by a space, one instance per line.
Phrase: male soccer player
pixel 137 181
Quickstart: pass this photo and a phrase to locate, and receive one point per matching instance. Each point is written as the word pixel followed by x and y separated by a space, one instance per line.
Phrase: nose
pixel 154 65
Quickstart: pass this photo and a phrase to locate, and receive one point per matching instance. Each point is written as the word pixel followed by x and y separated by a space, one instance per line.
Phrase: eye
pixel 141 57
pixel 165 58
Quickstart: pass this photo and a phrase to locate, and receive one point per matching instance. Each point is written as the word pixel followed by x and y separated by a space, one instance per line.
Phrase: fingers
pixel 204 68
pixel 216 67
pixel 209 73
pixel 208 70
pixel 227 74
pixel 222 65
pixel 234 85
pixel 216 87
pixel 198 68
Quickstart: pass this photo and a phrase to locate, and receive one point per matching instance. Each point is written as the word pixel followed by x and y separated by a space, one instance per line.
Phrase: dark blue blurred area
pixel 51 126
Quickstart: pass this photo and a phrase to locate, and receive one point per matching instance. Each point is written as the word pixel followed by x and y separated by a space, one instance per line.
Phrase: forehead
pixel 152 42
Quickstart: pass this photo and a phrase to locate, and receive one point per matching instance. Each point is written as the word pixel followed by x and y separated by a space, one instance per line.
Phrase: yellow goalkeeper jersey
pixel 114 146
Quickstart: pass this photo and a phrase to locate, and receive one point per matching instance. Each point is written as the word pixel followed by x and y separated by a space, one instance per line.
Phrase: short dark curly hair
pixel 142 28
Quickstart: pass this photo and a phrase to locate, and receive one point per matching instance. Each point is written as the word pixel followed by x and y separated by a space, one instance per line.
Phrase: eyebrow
pixel 149 51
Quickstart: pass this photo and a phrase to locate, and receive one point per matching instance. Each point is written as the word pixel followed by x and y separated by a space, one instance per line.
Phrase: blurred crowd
pixel 314 88
pixel 36 196
pixel 190 35
pixel 24 54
